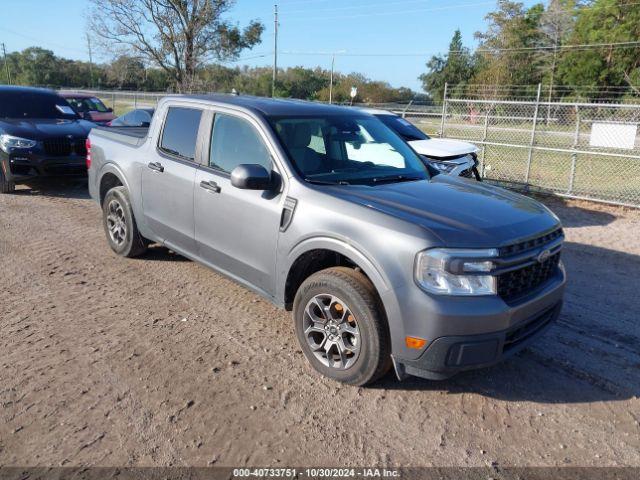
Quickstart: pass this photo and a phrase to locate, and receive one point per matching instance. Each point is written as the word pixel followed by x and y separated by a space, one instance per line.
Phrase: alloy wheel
pixel 116 223
pixel 331 331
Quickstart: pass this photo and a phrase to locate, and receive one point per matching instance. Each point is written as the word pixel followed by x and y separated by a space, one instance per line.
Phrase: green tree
pixel 456 67
pixel 604 21
pixel 508 46
pixel 556 25
pixel 37 66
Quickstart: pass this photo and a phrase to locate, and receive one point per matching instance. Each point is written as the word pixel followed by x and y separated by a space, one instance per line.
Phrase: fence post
pixel 574 155
pixel 484 139
pixel 533 137
pixel 135 100
pixel 113 101
pixel 444 109
pixel 404 111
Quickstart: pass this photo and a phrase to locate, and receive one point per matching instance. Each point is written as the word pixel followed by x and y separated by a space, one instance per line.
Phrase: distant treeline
pixel 38 66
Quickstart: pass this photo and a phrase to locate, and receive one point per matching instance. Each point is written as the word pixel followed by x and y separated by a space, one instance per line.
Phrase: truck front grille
pixel 517 282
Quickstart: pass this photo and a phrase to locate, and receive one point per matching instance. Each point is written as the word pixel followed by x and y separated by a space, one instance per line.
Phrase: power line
pixel 353 7
pixel 398 12
pixel 36 39
pixel 488 50
pixel 448 7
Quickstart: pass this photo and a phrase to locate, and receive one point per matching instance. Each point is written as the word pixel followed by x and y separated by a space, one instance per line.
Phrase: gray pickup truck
pixel 381 262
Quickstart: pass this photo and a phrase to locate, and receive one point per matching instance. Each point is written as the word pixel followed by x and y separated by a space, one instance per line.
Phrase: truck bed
pixel 134 136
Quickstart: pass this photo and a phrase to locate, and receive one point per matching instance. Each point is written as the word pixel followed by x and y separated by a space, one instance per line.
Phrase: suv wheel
pixel 341 326
pixel 5 185
pixel 120 225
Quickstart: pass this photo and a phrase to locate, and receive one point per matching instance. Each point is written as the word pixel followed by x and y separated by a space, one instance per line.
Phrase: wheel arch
pixel 110 176
pixel 316 254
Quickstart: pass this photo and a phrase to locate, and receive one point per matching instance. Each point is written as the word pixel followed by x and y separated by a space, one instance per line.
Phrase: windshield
pixel 28 104
pixel 402 127
pixel 84 104
pixel 347 149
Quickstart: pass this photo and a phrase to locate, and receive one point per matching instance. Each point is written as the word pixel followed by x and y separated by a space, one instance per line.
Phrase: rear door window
pixel 180 132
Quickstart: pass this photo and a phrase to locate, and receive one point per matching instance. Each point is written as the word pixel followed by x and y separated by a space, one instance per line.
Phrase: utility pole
pixel 333 63
pixel 90 62
pixel 275 51
pixel 6 65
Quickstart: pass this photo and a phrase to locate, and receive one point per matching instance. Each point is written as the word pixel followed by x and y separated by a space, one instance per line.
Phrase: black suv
pixel 40 136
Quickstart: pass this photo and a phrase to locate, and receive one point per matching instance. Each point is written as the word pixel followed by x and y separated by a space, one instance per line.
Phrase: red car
pixel 89 107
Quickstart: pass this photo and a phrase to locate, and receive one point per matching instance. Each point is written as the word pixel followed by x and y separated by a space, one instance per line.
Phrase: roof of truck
pixel 274 106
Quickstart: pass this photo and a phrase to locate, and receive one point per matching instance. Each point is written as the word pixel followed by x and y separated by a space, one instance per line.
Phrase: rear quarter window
pixel 180 132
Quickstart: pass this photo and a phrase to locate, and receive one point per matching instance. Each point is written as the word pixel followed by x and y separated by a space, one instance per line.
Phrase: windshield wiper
pixel 324 182
pixel 395 179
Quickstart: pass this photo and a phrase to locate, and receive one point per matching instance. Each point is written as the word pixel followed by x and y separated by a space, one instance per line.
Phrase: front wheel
pixel 120 224
pixel 341 326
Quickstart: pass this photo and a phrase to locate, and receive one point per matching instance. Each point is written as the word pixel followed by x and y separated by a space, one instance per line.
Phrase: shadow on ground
pixel 573 216
pixel 61 188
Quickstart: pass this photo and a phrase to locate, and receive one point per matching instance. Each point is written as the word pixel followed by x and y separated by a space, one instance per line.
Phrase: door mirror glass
pixel 251 177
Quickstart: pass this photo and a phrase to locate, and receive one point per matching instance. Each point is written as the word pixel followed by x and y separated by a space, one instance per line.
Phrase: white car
pixel 452 157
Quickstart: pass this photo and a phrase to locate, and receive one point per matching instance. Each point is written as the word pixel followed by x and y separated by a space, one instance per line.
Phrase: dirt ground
pixel 159 361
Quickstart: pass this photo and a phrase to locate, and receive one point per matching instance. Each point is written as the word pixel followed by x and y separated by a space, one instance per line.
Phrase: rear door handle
pixel 211 186
pixel 156 166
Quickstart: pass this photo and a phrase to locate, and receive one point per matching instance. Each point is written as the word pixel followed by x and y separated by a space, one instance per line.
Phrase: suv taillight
pixel 87 143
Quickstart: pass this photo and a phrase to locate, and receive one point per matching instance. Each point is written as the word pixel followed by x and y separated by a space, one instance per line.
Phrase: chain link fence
pixel 578 150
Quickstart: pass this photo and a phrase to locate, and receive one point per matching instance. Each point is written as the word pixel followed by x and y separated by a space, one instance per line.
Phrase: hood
pixel 40 129
pixel 457 212
pixel 442 147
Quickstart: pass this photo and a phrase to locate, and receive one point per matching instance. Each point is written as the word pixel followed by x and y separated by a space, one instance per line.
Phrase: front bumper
pixel 447 356
pixel 25 168
pixel 464 333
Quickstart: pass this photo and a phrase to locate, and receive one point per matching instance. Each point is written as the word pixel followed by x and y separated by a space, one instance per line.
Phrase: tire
pixel 120 224
pixel 330 307
pixel 5 185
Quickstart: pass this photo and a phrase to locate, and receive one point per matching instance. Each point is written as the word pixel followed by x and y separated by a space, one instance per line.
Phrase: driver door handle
pixel 156 166
pixel 210 186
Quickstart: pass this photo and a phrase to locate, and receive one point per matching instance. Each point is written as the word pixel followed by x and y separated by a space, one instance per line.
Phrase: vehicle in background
pixel 380 262
pixel 140 117
pixel 89 107
pixel 40 136
pixel 452 157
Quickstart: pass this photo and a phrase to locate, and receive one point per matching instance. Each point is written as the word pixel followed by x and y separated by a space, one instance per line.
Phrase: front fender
pixel 369 267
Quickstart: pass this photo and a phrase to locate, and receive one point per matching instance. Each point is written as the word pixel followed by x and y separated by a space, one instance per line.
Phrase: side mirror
pixel 109 110
pixel 251 177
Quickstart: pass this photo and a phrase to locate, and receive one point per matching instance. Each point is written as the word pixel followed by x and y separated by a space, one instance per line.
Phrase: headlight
pixel 448 271
pixel 444 167
pixel 9 141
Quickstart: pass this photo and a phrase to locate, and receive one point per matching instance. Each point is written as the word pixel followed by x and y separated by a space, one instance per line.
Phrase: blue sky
pixel 388 27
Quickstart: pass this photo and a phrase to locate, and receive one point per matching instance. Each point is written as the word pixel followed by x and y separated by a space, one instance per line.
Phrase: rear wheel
pixel 341 326
pixel 120 224
pixel 5 185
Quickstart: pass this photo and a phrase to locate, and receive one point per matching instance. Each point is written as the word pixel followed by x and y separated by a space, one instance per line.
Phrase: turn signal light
pixel 414 342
